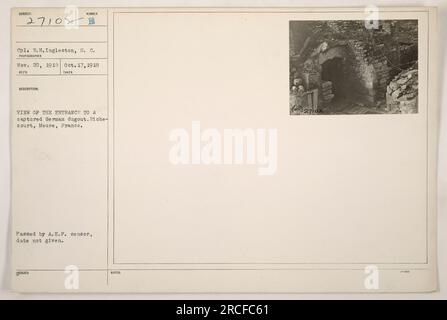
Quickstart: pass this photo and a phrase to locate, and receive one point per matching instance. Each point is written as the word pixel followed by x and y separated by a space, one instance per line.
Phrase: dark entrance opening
pixel 334 70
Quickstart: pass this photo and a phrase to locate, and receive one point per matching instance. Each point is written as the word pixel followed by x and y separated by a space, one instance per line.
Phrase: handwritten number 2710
pixel 44 21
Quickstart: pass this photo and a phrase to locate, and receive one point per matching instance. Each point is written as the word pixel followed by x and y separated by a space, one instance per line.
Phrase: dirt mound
pixel 402 92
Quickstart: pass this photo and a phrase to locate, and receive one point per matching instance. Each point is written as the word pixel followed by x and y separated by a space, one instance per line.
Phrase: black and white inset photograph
pixel 351 67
